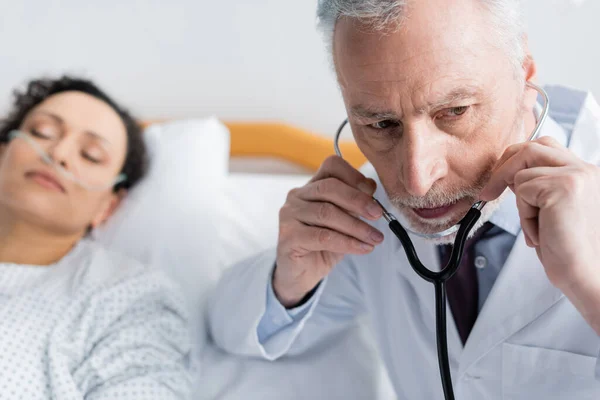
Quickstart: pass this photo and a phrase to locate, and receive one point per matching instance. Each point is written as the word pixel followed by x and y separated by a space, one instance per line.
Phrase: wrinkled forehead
pixel 416 57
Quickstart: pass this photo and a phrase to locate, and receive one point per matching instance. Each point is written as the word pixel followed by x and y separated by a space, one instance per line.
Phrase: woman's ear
pixel 110 208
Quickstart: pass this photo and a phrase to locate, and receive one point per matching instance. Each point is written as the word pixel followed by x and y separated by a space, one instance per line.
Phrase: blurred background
pixel 236 59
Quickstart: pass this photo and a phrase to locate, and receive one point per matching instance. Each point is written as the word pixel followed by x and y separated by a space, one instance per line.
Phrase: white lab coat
pixel 529 342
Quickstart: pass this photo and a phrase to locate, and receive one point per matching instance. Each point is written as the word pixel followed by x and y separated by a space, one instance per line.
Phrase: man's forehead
pixel 390 58
pixel 428 41
pixel 379 69
pixel 380 108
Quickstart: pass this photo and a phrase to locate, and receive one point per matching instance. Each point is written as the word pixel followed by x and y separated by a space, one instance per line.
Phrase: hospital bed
pixel 211 198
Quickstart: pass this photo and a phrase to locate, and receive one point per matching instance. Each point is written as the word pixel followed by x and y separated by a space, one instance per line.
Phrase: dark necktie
pixel 463 288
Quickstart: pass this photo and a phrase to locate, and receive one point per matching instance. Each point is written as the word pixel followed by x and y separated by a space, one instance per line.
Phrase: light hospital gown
pixel 96 325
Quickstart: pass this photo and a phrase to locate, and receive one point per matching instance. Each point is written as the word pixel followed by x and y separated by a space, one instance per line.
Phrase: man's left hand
pixel 558 198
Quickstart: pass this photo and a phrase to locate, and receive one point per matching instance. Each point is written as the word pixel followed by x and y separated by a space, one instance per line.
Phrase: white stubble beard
pixel 435 198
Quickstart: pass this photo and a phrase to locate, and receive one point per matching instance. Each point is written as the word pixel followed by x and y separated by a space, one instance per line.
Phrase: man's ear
pixel 530 72
pixel 110 208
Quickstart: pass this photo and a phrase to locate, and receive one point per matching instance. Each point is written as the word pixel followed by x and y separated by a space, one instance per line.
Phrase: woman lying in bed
pixel 78 321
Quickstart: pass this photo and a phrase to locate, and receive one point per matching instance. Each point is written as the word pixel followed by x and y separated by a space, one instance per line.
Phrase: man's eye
pixel 456 111
pixel 387 124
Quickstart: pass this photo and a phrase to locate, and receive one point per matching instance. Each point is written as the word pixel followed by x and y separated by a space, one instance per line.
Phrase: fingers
pixel 529 174
pixel 529 222
pixel 515 148
pixel 531 187
pixel 327 215
pixel 337 167
pixel 543 187
pixel 314 238
pixel 542 152
pixel 334 191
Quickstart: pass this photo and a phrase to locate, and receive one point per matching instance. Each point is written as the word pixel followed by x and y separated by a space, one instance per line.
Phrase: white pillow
pixel 251 223
pixel 170 219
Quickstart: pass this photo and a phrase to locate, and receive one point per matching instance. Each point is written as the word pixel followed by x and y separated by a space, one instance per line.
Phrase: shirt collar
pixel 507 214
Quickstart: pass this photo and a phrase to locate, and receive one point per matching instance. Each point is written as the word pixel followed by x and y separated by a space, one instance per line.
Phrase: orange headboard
pixel 306 149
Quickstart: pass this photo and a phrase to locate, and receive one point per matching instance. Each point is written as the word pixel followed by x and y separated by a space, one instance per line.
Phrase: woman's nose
pixel 61 151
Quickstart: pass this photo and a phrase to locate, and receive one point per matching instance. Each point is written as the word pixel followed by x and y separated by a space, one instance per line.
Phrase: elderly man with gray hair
pixel 442 101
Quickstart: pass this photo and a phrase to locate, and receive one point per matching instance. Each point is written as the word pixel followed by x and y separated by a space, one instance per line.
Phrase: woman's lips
pixel 46 180
pixel 432 213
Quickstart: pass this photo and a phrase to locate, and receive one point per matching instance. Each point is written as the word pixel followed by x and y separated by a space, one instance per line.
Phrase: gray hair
pixel 506 20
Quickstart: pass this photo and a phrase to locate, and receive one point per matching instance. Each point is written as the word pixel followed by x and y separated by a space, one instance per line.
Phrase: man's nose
pixel 423 159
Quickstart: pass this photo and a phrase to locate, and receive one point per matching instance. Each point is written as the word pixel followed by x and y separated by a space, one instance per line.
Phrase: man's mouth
pixel 434 213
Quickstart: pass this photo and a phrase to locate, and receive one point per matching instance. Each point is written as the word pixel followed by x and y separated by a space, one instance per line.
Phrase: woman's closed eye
pixel 91 158
pixel 41 135
pixel 93 153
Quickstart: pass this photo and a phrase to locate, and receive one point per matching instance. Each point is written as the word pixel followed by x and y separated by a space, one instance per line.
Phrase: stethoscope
pixel 440 278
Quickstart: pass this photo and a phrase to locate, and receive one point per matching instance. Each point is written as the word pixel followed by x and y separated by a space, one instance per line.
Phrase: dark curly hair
pixel 38 90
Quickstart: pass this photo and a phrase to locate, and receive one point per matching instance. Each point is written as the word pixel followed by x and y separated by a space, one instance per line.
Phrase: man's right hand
pixel 319 224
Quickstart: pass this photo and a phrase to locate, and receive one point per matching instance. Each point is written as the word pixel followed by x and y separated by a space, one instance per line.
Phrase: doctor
pixel 437 99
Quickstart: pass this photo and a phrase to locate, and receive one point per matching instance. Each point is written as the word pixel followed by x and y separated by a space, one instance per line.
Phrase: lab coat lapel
pixel 522 292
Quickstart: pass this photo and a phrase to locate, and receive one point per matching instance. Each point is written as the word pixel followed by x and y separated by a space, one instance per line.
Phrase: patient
pixel 78 321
